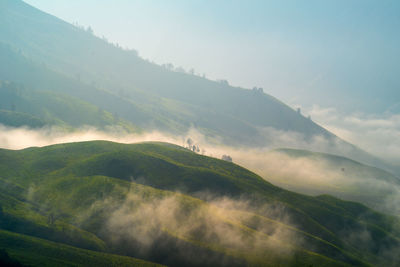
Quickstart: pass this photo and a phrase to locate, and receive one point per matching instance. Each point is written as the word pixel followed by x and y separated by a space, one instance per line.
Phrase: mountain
pixel 66 58
pixel 166 204
pixel 316 173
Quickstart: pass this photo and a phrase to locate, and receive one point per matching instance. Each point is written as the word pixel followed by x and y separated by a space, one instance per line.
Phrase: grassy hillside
pixel 112 196
pixel 319 173
pixel 31 251
pixel 23 107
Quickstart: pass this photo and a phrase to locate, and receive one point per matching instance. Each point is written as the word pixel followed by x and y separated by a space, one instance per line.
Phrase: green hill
pixel 123 199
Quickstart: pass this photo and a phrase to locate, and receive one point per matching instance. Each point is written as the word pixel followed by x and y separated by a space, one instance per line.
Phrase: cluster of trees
pixel 258 90
pixel 190 144
pixel 223 82
pixel 89 30
pixel 171 67
pixel 83 28
pixel 226 158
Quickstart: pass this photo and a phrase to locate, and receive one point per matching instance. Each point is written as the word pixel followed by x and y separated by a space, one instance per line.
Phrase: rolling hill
pixel 165 204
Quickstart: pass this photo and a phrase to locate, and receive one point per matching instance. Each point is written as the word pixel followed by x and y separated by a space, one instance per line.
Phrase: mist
pixel 221 231
pixel 24 137
pixel 377 134
pixel 308 175
pixel 222 222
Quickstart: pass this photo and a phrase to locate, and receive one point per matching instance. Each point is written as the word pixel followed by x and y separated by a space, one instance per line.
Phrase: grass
pixel 31 251
pixel 82 184
pixel 36 108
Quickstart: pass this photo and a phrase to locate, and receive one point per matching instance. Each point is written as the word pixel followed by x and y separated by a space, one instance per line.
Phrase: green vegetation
pixel 18 119
pixel 35 109
pixel 111 197
pixel 31 251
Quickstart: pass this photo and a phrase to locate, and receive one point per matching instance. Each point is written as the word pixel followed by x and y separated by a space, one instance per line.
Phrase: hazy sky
pixel 299 51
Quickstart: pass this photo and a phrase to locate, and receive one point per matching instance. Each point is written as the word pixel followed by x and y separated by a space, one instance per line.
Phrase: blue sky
pixel 299 51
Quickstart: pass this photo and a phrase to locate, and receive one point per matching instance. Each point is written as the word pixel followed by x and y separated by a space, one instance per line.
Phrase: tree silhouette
pixel 189 142
pixel 227 158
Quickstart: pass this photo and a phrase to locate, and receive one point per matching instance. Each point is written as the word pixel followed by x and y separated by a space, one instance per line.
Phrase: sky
pixel 339 60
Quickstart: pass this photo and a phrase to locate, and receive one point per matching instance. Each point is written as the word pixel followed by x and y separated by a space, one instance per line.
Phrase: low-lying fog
pixel 305 174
